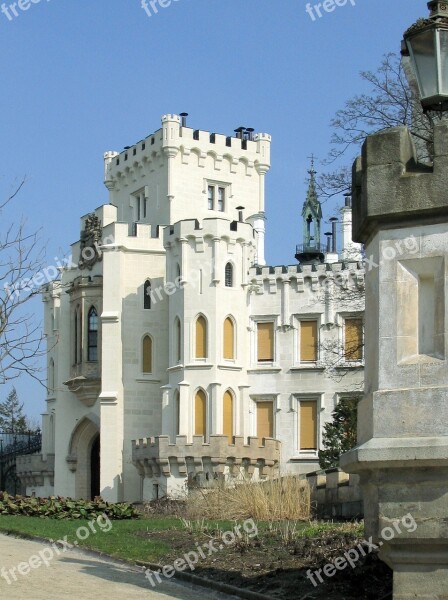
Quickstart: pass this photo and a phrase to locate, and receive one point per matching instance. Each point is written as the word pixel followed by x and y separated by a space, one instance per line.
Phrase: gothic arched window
pixel 229 275
pixel 147 354
pixel 201 337
pixel 147 295
pixel 92 335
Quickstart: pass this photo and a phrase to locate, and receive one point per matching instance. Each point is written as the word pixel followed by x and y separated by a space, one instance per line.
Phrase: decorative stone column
pixel 401 214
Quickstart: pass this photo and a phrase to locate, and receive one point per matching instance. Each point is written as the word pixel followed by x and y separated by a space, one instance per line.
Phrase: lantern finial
pixel 438 8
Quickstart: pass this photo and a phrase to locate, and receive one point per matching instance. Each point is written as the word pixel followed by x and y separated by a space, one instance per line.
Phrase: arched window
pixel 92 341
pixel 228 415
pixel 229 275
pixel 177 340
pixel 201 337
pixel 147 295
pixel 77 336
pixel 177 412
pixel 50 383
pixel 147 354
pixel 200 413
pixel 229 339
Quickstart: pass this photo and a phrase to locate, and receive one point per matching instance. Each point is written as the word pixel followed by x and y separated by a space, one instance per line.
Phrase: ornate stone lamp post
pixel 400 211
pixel 426 43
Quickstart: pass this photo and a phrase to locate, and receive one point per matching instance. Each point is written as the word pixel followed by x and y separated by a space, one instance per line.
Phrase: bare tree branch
pixel 392 101
pixel 21 337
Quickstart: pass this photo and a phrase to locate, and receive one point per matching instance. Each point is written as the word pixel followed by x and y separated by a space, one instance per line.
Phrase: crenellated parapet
pixel 155 457
pixel 195 230
pixel 342 274
pixel 173 139
pixel 35 470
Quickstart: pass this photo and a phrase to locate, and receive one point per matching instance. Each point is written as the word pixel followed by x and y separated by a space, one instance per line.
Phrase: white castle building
pixel 175 353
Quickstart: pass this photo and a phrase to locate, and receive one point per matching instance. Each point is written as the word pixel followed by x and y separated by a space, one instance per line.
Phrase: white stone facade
pixel 176 223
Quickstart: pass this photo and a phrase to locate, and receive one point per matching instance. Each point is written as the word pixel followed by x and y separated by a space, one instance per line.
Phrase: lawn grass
pixel 119 542
pixel 122 542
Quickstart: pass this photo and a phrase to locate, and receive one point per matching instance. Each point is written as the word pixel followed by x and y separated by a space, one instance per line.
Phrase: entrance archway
pixel 84 455
pixel 95 489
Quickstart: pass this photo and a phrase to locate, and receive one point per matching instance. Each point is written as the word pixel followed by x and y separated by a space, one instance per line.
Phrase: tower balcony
pixel 85 382
pixel 310 254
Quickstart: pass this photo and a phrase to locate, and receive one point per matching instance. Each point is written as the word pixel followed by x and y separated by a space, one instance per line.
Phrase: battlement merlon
pixel 222 228
pixel 326 270
pixel 172 137
pixel 387 175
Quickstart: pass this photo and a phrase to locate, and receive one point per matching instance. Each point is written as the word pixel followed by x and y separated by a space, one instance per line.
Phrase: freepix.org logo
pixel 318 10
pixel 151 7
pixel 10 10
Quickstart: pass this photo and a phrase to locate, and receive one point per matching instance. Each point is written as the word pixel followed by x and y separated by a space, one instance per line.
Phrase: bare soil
pixel 276 567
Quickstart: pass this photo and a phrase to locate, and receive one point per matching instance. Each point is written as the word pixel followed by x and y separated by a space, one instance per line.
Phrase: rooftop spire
pixel 311 250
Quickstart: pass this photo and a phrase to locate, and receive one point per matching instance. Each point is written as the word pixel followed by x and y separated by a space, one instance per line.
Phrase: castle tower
pixel 311 251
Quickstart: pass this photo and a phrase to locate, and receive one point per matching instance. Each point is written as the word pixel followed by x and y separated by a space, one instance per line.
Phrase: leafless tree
pixel 343 293
pixel 21 260
pixel 391 101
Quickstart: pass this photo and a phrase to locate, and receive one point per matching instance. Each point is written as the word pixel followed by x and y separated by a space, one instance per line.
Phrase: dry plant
pixel 287 498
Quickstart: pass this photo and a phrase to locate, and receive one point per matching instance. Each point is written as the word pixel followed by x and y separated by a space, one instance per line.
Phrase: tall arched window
pixel 177 412
pixel 201 337
pixel 228 415
pixel 200 413
pixel 177 340
pixel 147 354
pixel 77 336
pixel 92 341
pixel 147 295
pixel 50 383
pixel 229 275
pixel 229 339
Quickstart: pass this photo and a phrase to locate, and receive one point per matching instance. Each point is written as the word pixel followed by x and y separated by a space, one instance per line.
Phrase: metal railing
pixel 308 249
pixel 14 444
pixel 11 446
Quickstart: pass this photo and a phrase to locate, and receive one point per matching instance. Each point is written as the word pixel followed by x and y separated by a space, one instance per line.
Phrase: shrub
pixel 340 435
pixel 272 500
pixel 57 507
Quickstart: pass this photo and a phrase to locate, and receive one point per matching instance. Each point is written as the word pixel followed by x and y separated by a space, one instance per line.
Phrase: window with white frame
pixel 308 340
pixel 353 344
pixel 216 196
pixel 140 202
pixel 308 425
pixel 265 342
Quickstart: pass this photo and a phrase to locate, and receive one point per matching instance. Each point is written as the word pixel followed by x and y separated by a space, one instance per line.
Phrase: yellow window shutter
pixel 265 420
pixel 200 427
pixel 229 339
pixel 147 354
pixel 308 341
pixel 265 336
pixel 353 339
pixel 308 425
pixel 201 338
pixel 228 416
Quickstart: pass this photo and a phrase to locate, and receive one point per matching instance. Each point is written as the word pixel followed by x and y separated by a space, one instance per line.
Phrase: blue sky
pixel 80 78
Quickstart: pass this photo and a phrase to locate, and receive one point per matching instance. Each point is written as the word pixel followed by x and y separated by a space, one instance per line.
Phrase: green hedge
pixel 56 507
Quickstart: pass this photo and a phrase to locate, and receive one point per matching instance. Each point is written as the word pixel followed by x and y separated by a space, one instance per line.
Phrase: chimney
pixel 250 133
pixel 333 222
pixel 240 213
pixel 348 200
pixel 239 132
pixel 328 234
pixel 184 116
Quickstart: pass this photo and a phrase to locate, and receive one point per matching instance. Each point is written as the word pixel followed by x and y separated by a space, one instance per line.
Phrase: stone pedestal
pixel 401 214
